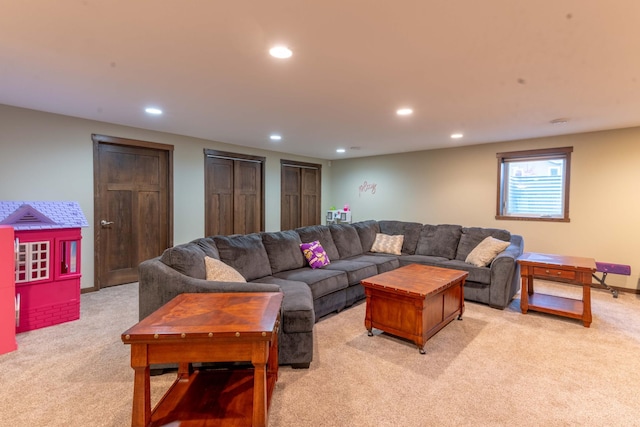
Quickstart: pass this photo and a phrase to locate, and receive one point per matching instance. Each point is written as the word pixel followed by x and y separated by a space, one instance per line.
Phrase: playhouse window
pixel 32 261
pixel 69 257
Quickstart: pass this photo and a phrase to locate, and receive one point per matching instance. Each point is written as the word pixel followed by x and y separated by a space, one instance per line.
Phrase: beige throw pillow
pixel 486 251
pixel 388 244
pixel 221 272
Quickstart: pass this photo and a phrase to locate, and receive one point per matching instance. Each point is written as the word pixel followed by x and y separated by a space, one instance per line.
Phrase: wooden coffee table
pixel 556 268
pixel 216 327
pixel 414 302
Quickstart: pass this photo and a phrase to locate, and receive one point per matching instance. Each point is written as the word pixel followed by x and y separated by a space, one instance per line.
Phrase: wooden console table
pixel 557 268
pixel 216 327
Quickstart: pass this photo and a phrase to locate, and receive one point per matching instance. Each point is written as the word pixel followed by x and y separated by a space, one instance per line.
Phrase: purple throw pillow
pixel 315 254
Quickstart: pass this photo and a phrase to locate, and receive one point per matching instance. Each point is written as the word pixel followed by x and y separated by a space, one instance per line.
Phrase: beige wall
pixel 50 157
pixel 458 186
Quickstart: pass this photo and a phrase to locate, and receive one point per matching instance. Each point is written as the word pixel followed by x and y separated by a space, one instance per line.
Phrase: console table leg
pixel 524 294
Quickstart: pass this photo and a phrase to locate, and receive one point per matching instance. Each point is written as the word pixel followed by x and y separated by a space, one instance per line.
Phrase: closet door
pixel 234 193
pixel 290 216
pixel 300 194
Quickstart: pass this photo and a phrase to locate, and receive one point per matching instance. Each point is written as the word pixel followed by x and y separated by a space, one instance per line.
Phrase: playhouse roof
pixel 42 215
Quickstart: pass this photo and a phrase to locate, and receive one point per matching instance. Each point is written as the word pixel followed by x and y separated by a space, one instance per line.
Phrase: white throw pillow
pixel 486 251
pixel 388 244
pixel 221 272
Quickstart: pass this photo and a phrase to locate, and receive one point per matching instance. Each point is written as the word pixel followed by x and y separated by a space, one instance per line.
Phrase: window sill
pixel 531 218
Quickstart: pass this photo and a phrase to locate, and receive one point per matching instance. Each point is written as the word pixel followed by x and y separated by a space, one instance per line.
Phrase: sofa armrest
pixel 159 283
pixel 505 274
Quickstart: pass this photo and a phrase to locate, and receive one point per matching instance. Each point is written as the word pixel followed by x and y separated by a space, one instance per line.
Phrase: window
pixel 534 185
pixel 32 261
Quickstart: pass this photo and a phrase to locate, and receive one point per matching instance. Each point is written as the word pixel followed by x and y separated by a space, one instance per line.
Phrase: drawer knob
pixel 547 271
pixel 559 273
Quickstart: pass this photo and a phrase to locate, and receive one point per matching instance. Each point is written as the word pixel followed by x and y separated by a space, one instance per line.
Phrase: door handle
pixel 105 223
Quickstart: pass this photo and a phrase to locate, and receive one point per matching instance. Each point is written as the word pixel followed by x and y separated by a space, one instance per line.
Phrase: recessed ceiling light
pixel 153 110
pixel 280 52
pixel 404 111
pixel 340 150
pixel 275 137
pixel 456 135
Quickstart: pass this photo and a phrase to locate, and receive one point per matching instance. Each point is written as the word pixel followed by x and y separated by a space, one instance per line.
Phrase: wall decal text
pixel 371 187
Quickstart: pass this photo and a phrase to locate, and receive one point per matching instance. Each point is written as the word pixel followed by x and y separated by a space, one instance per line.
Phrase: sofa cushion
pixel 367 231
pixel 435 261
pixel 208 246
pixel 410 231
pixel 439 240
pixel 283 250
pixel 245 253
pixel 315 255
pixel 476 274
pixel 383 262
pixel 356 270
pixel 187 258
pixel 472 236
pixel 486 251
pixel 346 240
pixel 322 234
pixel 388 244
pixel 221 272
pixel 297 305
pixel 321 281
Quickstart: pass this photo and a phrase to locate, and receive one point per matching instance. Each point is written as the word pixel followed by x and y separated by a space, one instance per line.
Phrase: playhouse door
pixel 132 207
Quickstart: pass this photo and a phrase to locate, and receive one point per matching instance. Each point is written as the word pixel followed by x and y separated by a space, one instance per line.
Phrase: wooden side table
pixel 556 268
pixel 216 327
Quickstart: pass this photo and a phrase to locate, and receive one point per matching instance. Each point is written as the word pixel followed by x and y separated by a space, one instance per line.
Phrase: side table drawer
pixel 554 273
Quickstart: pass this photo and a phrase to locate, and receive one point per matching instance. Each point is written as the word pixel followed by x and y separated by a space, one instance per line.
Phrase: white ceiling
pixel 495 70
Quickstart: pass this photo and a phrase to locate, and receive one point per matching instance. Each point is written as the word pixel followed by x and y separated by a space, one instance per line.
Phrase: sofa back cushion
pixel 187 258
pixel 410 230
pixel 367 231
pixel 346 239
pixel 283 250
pixel 439 240
pixel 245 253
pixel 322 234
pixel 208 246
pixel 472 236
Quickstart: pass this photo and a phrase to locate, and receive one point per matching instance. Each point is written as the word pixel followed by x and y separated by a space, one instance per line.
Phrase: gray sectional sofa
pixel 273 262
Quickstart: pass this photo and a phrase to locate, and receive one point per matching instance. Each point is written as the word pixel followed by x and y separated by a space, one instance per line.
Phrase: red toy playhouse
pixel 47 261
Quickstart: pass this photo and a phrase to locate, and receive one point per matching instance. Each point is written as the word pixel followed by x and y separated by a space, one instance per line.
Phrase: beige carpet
pixel 493 368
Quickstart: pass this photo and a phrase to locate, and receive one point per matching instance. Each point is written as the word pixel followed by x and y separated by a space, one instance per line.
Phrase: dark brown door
pixel 300 194
pixel 290 216
pixel 132 215
pixel 310 196
pixel 234 189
